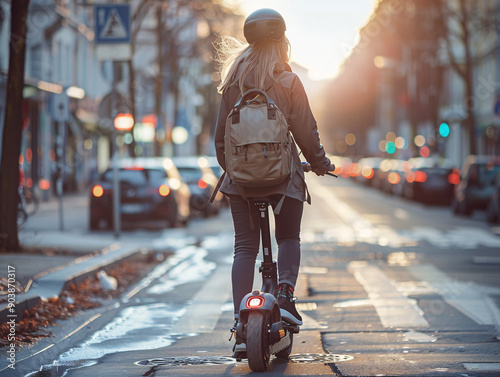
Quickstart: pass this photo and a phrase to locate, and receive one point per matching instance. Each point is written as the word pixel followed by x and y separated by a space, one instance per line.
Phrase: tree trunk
pixel 12 133
pixel 469 84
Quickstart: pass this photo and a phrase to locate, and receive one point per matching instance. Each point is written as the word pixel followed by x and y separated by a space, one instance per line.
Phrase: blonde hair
pixel 238 59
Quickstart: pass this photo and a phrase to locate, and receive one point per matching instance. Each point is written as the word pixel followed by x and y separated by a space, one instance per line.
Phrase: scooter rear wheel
pixel 257 342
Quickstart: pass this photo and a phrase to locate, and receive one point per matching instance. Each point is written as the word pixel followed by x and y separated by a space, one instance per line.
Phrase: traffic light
pixel 444 129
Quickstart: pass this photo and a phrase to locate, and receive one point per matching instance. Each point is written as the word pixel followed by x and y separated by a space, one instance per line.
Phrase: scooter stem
pixel 268 266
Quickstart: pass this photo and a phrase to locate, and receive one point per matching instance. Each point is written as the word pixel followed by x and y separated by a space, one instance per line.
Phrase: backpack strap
pixel 217 188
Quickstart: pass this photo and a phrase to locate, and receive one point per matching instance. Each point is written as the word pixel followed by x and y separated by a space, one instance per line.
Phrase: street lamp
pixel 122 122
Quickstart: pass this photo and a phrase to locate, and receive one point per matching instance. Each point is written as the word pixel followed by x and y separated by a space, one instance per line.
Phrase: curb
pixel 53 283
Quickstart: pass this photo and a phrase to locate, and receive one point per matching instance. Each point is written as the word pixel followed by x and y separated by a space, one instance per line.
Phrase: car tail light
pixel 420 176
pixel 410 177
pixel 454 177
pixel 164 190
pixel 255 302
pixel 394 178
pixel 367 172
pixel 97 191
pixel 202 184
pixel 133 168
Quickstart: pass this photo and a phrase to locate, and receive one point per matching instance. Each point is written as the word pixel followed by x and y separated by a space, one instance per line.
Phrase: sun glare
pixel 322 32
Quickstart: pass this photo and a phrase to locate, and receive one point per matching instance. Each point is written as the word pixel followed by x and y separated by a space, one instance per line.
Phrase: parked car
pixel 476 185
pixel 151 189
pixel 201 179
pixel 431 185
pixel 493 209
pixel 389 174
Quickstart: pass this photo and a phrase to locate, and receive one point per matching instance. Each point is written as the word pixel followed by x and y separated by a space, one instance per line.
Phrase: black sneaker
pixel 286 303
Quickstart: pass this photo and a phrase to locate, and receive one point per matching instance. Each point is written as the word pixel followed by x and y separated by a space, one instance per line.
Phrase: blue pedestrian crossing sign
pixel 112 23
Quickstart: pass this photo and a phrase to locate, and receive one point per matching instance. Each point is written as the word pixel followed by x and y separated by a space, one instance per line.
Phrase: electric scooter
pixel 260 325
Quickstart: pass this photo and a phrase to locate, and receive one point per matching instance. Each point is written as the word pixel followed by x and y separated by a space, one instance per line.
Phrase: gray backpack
pixel 257 143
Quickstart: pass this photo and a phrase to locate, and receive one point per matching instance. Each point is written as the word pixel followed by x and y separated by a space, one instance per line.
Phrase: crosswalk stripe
pixel 469 298
pixel 393 307
pixel 204 312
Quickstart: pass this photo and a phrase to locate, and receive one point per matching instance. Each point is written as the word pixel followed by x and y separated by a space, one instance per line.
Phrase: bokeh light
pixel 381 145
pixel 390 136
pixel 401 142
pixel 444 130
pixel 424 151
pixel 350 139
pixel 390 147
pixel 355 169
pixel 419 140
pixel 367 172
pixel 340 146
pixel 394 178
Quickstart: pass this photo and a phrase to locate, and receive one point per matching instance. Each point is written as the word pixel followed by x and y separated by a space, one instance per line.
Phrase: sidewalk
pixel 53 259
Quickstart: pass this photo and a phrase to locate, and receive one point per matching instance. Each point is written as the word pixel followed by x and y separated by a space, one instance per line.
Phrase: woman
pixel 257 65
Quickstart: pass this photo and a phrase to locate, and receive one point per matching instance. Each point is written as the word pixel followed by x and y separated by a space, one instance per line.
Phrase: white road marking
pixel 393 307
pixel 469 298
pixel 204 312
pixel 310 324
pixel 419 337
pixel 482 366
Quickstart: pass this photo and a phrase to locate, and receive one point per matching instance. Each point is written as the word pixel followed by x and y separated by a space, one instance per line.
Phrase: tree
pixel 12 132
pixel 468 20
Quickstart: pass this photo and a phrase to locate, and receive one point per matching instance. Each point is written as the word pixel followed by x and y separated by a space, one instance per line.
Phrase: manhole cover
pixel 190 360
pixel 319 358
pixel 306 358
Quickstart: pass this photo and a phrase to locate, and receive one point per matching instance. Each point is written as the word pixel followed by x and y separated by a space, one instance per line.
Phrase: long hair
pixel 238 59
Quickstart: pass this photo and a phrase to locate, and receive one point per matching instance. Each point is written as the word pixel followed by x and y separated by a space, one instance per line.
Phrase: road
pixel 387 287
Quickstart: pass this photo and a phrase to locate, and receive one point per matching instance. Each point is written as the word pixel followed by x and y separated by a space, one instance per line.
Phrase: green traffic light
pixel 390 147
pixel 444 130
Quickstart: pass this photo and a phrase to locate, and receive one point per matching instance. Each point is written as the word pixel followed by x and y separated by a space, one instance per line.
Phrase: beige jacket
pixel 290 97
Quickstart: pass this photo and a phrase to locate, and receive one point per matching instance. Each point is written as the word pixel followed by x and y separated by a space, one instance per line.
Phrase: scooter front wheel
pixel 257 342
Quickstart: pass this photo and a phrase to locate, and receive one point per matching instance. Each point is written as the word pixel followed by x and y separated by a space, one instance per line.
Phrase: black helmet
pixel 264 24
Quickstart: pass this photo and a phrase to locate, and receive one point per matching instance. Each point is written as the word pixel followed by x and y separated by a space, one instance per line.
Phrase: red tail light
pixel 454 177
pixel 97 191
pixel 202 184
pixel 420 176
pixel 133 168
pixel 255 302
pixel 164 190
pixel 410 177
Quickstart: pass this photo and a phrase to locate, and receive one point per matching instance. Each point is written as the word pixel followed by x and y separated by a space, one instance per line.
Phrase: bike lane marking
pixel 470 299
pixel 393 307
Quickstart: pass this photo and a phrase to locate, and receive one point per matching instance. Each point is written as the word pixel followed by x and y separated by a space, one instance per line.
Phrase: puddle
pixel 136 328
pixel 139 327
pixel 192 269
pixel 60 370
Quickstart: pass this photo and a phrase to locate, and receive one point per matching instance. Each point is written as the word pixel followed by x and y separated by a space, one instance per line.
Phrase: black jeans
pixel 247 242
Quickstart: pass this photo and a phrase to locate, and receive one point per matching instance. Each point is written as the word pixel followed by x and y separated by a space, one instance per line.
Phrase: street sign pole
pixel 60 114
pixel 113 37
pixel 60 172
pixel 116 189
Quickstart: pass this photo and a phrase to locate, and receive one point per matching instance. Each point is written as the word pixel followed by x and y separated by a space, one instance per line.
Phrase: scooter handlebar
pixel 307 168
